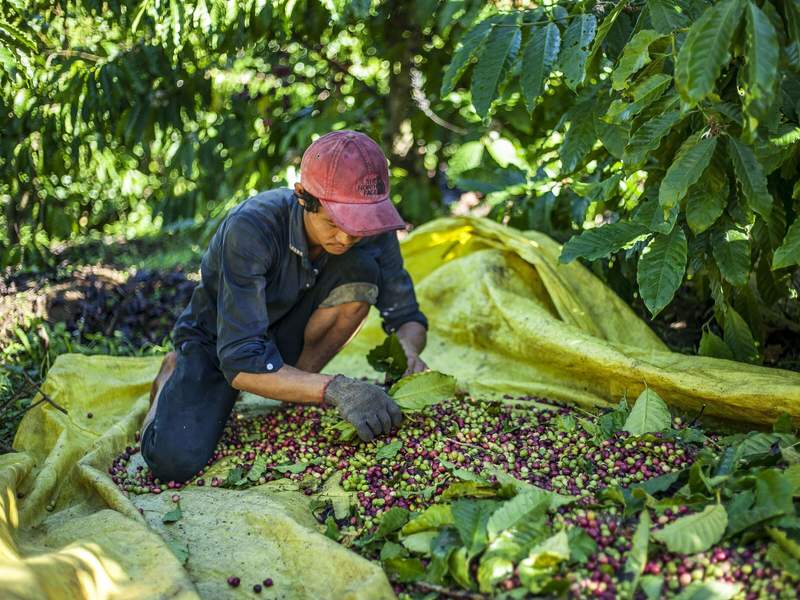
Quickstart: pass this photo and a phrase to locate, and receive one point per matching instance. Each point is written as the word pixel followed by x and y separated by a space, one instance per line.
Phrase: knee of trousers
pixel 170 461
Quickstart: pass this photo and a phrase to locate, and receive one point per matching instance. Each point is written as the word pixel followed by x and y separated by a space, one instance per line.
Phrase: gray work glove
pixel 366 406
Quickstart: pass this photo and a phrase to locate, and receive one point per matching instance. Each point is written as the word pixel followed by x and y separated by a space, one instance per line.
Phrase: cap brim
pixel 361 220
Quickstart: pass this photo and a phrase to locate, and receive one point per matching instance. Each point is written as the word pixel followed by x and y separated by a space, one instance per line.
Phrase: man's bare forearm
pixel 412 336
pixel 287 384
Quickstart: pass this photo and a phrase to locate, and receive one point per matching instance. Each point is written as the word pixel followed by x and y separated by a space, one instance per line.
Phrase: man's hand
pixel 412 337
pixel 366 406
pixel 415 364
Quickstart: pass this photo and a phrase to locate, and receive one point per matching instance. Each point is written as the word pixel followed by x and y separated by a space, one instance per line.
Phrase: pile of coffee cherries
pixel 531 439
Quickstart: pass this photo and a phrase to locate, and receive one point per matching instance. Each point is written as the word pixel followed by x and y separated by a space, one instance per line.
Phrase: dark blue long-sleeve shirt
pixel 253 272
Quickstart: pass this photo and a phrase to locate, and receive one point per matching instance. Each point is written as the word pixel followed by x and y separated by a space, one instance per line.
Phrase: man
pixel 286 281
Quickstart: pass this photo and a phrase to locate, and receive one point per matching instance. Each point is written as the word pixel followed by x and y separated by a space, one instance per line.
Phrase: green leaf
pixel 758 444
pixel 346 432
pixel 667 15
pixel 738 337
pixel 650 214
pixel 470 519
pixel 392 520
pixel 536 571
pixel 294 468
pixel 566 423
pixel 538 58
pixel 234 477
pixel 332 529
pixel 392 550
pixel 643 94
pixel 389 451
pixel 648 137
pixel 553 550
pixel 459 568
pixel 433 517
pixel 176 514
pixel 637 557
pixel 712 345
pixel 523 487
pixel 650 414
pixel 635 55
pixel 783 561
pixel 788 253
pixel 694 533
pixel 792 49
pixel 492 66
pixel 420 542
pixel 515 543
pixel 442 548
pixel 259 467
pixel 783 424
pixel 521 506
pixel 773 498
pixel 579 138
pixel 333 492
pixel 581 545
pixel 762 66
pixel 751 177
pixel 660 269
pixel 709 590
pixel 705 51
pixel 419 390
pixel 574 48
pixel 706 199
pixel 492 570
pixel 460 473
pixel 651 586
pixel 614 420
pixel 389 357
pixel 404 570
pixel 470 43
pixel 731 249
pixel 593 61
pixel 613 136
pixel 469 489
pixel 787 544
pixel 601 241
pixel 687 167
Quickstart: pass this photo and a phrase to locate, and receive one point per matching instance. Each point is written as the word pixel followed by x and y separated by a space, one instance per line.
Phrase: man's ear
pixel 298 190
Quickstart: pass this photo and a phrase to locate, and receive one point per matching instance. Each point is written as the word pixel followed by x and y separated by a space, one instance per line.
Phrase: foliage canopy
pixel 657 138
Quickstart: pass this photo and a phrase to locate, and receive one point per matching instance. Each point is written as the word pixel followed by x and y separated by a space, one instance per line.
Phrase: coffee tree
pixel 658 140
pixel 680 142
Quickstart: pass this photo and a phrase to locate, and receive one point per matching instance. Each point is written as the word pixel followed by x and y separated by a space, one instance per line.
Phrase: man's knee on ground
pixel 173 463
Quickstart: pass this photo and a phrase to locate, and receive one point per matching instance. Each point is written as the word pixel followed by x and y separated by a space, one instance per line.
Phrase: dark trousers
pixel 196 400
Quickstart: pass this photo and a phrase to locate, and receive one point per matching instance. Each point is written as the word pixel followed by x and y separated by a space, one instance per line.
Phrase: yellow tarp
pixel 506 318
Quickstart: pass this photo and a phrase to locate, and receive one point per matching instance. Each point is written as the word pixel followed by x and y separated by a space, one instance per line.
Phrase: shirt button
pixel 269 366
pixel 316 271
pixel 308 285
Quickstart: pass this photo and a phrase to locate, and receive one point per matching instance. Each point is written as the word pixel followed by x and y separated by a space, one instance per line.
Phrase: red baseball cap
pixel 349 174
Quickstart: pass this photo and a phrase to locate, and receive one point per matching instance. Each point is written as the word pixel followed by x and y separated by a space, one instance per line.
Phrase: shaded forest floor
pixel 121 297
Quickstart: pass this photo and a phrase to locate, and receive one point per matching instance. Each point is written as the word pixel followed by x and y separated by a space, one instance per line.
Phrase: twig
pixel 45 397
pixel 700 414
pixel 15 396
pixel 447 592
pixel 472 446
pixel 418 94
pixel 70 53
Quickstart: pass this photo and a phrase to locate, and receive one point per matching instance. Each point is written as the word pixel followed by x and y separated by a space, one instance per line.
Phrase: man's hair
pixel 311 202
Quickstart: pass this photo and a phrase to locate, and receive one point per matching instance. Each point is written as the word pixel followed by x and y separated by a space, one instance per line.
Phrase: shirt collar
pixel 298 243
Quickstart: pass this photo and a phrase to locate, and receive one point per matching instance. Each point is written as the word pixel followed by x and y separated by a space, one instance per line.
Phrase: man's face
pixel 322 231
